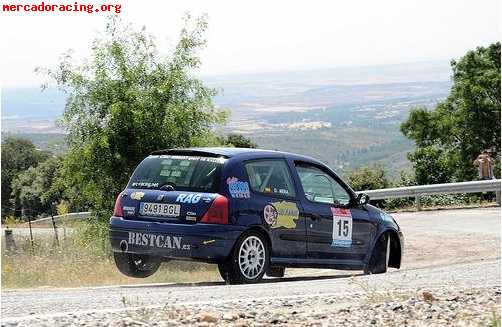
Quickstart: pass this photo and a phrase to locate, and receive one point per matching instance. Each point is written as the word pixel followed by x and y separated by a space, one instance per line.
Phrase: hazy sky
pixel 247 36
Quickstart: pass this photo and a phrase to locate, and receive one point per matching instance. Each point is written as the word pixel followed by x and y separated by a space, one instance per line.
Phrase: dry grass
pixel 495 321
pixel 375 294
pixel 74 264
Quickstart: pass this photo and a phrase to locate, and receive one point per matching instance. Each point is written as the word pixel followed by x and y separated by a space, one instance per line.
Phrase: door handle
pixel 315 217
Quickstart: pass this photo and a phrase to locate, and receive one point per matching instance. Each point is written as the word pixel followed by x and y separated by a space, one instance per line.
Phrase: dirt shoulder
pixel 435 238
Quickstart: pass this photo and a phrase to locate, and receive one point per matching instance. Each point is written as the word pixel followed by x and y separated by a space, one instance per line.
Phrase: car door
pixel 274 196
pixel 336 229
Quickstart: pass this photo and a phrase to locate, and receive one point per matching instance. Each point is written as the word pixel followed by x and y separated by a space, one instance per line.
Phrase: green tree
pixel 17 155
pixel 451 136
pixel 237 140
pixel 432 165
pixel 368 178
pixel 127 101
pixel 35 189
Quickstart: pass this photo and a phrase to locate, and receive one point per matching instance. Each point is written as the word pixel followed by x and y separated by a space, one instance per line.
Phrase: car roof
pixel 235 152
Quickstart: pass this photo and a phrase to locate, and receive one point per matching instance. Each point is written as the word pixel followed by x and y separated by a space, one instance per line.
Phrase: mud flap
pixel 275 271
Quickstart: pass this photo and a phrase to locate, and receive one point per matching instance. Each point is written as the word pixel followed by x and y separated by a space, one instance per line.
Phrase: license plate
pixel 159 209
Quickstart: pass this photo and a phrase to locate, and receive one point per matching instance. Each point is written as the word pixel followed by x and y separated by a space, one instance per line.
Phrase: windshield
pixel 184 173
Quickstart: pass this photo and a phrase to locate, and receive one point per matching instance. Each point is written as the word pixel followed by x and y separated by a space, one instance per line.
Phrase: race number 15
pixel 342 230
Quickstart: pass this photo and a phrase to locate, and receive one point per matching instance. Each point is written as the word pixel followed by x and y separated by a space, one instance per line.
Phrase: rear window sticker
pixel 189 158
pixel 238 189
pixel 342 227
pixel 144 184
pixel 166 173
pixel 185 163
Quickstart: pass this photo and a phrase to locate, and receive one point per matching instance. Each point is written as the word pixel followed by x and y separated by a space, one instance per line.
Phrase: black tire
pixel 223 270
pixel 233 270
pixel 135 265
pixel 379 261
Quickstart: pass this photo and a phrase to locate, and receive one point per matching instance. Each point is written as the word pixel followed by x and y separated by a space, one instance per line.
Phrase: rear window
pixel 184 173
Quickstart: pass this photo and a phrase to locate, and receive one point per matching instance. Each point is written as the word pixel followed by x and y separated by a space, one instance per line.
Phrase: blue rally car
pixel 252 212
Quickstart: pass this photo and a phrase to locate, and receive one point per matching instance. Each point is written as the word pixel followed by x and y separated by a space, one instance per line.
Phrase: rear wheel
pixel 136 265
pixel 379 261
pixel 248 261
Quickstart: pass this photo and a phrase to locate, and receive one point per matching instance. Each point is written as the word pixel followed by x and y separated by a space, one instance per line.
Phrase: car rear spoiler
pixel 189 152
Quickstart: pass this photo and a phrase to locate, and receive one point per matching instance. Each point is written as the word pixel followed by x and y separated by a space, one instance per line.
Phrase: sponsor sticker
pixel 189 158
pixel 287 214
pixel 155 241
pixel 342 227
pixel 130 211
pixel 137 195
pixel 270 214
pixel 238 189
pixel 145 184
pixel 188 198
pixel 191 218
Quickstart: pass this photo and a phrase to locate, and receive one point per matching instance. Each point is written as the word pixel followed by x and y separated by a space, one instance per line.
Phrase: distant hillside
pixel 32 103
pixel 347 117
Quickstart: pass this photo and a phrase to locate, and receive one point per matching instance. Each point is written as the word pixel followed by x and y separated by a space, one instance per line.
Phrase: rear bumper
pixel 205 242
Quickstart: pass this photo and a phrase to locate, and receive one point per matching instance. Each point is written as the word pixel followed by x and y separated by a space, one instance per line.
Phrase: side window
pixel 270 177
pixel 321 187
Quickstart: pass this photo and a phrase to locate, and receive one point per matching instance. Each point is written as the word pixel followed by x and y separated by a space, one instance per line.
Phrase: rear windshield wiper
pixel 167 186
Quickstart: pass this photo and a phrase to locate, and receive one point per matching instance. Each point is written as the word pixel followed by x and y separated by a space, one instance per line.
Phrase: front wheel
pixel 136 265
pixel 379 261
pixel 248 261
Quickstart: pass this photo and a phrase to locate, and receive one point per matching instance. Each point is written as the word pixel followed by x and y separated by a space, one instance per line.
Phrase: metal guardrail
pixel 492 185
pixel 68 216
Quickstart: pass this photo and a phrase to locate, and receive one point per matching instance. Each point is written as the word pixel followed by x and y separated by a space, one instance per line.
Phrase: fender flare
pixel 255 228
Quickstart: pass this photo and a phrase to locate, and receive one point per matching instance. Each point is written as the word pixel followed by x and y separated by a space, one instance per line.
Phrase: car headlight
pixel 387 217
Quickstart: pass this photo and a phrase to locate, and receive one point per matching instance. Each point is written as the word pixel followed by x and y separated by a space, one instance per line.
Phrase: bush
pixel 368 178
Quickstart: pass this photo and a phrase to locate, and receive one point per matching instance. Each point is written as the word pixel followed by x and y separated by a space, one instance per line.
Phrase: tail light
pixel 117 210
pixel 218 212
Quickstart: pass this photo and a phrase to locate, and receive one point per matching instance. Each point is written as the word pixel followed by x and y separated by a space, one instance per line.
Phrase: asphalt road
pixel 477 268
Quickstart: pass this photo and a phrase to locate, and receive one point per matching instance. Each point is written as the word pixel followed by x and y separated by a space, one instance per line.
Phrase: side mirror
pixel 363 199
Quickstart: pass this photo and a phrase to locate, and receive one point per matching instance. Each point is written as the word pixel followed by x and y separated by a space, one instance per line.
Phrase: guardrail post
pixel 56 238
pixel 10 244
pixel 418 206
pixel 497 193
pixel 31 235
